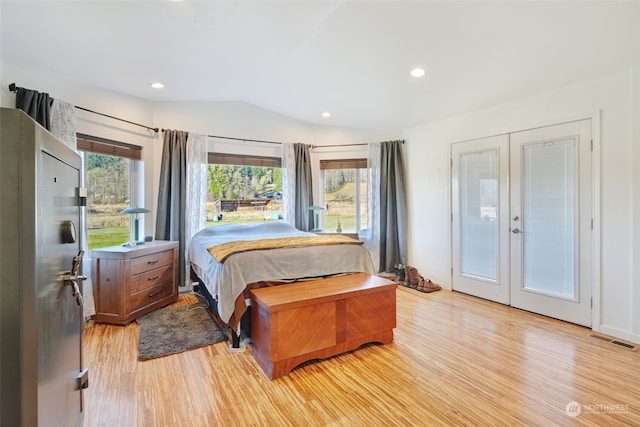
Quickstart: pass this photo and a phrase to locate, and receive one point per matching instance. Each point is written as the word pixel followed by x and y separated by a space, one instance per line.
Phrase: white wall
pixel 428 168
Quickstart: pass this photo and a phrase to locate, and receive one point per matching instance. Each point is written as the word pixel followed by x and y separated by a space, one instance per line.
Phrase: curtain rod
pixel 274 142
pixel 338 145
pixel 344 145
pixel 14 88
pixel 245 139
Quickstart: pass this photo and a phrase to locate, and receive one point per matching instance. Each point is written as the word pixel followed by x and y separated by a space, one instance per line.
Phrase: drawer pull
pixel 153 262
pixel 153 294
pixel 152 278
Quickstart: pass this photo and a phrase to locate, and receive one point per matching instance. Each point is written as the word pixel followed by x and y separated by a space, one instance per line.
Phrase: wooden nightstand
pixel 129 282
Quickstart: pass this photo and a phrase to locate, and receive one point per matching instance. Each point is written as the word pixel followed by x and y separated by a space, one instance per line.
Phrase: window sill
pixel 348 234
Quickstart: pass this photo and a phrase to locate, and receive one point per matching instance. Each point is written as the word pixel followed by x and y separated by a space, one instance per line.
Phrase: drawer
pixel 149 262
pixel 151 278
pixel 150 296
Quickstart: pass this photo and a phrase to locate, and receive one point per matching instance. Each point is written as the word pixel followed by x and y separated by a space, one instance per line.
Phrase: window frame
pixel 94 144
pixel 350 163
pixel 245 160
pixel 214 158
pixel 109 147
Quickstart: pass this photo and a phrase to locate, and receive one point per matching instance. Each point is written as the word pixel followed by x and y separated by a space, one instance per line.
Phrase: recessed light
pixel 157 85
pixel 326 114
pixel 417 72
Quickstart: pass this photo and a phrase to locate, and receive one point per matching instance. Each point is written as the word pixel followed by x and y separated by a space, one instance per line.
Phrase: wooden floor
pixel 456 360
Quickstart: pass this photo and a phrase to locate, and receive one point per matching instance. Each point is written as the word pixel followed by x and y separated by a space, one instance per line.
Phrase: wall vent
pixel 615 342
pixel 624 344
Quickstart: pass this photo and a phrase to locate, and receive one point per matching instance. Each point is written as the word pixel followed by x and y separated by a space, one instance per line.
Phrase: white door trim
pixel 596 285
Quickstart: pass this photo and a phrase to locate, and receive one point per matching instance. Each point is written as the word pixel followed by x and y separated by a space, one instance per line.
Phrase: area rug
pixel 172 330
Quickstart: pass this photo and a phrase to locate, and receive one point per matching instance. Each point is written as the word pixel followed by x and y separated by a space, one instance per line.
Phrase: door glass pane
pixel 549 196
pixel 478 214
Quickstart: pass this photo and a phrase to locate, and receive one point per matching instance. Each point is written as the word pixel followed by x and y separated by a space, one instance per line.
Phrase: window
pixel 108 167
pixel 244 189
pixel 345 194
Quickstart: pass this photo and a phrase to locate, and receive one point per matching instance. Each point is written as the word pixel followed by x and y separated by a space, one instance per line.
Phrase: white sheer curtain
pixel 288 183
pixel 62 123
pixel 197 186
pixel 372 240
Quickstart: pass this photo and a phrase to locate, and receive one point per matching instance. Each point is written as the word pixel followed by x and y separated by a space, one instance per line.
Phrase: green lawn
pixel 108 236
pixel 347 223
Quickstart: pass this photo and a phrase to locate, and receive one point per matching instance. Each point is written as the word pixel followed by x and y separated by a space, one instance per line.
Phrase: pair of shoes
pixel 427 286
pixel 411 276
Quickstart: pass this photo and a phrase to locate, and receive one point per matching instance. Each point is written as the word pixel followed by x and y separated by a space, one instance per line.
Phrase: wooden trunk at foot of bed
pixel 320 318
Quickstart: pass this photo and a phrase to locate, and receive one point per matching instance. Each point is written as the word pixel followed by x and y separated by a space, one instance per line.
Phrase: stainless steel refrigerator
pixel 41 372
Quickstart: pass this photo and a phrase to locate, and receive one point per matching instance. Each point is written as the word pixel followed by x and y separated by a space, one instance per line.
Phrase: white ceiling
pixel 300 58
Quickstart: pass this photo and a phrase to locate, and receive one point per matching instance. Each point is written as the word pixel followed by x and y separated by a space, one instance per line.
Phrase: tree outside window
pixel 107 194
pixel 244 189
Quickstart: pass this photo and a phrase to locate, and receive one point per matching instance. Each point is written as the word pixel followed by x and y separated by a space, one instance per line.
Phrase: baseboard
pixel 617 333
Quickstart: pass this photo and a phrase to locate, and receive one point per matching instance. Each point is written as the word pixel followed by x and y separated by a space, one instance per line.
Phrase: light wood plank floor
pixel 456 360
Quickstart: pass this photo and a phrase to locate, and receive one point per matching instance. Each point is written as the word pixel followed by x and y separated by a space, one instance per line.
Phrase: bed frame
pixel 212 309
pixel 245 321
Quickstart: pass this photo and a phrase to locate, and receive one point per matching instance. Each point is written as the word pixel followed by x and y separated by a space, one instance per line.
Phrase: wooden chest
pixel 129 282
pixel 291 324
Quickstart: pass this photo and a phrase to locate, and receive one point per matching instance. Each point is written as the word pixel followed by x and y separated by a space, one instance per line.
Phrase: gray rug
pixel 173 330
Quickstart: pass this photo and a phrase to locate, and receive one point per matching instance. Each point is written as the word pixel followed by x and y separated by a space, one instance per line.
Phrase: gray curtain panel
pixel 172 194
pixel 304 191
pixel 35 104
pixel 393 207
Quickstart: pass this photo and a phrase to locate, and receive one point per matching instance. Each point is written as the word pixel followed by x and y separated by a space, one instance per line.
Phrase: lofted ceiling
pixel 300 58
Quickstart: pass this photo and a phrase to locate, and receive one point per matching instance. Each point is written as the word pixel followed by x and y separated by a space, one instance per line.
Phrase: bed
pixel 228 260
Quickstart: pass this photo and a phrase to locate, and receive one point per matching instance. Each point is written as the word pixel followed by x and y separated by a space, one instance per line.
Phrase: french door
pixel 480 212
pixel 522 220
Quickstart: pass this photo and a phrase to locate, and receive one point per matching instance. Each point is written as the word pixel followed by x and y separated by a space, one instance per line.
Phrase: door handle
pixel 73 278
pixel 515 230
pixel 73 281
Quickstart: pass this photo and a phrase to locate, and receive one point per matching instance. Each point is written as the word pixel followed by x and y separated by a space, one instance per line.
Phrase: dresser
pixel 129 282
